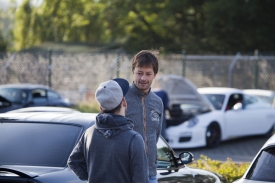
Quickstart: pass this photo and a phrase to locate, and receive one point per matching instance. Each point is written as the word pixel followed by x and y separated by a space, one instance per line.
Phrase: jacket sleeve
pixel 77 162
pixel 138 160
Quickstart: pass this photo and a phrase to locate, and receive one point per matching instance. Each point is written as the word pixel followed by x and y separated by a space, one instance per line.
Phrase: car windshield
pixel 37 144
pixel 14 95
pixel 165 158
pixel 216 100
pixel 263 168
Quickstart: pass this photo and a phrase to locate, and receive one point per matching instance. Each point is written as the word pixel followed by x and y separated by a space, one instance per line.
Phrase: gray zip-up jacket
pixel 146 112
pixel 110 151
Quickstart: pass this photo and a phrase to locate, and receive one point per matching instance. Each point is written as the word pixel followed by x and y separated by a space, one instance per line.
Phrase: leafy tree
pixel 236 25
pixel 6 26
pixel 3 44
pixel 59 21
pixel 197 26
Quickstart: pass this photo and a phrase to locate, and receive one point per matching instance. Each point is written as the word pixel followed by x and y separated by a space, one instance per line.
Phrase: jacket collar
pixel 137 92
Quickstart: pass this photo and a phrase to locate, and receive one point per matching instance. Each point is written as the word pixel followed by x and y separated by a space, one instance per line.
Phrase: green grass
pixel 88 107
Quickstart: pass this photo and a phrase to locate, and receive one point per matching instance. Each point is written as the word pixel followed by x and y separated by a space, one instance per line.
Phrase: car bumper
pixel 187 138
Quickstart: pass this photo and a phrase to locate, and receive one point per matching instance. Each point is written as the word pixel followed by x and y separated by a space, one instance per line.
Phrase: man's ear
pixel 100 108
pixel 124 103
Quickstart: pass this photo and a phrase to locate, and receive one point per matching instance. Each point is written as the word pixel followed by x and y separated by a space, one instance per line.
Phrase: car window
pixel 37 144
pixel 39 93
pixel 263 169
pixel 39 96
pixel 216 100
pixel 165 159
pixel 251 101
pixel 14 95
pixel 266 98
pixel 234 99
pixel 53 95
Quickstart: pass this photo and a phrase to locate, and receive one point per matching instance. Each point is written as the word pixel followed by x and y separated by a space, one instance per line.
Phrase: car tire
pixel 213 135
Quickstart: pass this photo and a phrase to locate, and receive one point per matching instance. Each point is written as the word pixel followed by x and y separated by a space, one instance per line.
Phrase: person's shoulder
pixel 155 97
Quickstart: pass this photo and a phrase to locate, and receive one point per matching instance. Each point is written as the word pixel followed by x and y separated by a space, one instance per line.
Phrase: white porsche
pixel 207 116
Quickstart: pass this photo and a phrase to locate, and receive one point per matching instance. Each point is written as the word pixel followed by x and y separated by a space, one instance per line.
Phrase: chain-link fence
pixel 78 75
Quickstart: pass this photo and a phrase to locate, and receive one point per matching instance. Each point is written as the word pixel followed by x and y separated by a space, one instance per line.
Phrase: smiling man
pixel 145 108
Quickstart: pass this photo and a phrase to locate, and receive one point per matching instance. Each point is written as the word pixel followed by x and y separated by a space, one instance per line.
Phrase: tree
pixel 6 26
pixel 236 25
pixel 211 26
pixel 59 21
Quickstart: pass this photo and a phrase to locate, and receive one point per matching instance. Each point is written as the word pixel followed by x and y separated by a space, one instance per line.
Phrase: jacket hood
pixel 112 124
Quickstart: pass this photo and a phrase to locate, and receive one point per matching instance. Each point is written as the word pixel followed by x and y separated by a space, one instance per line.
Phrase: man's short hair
pixel 117 109
pixel 145 58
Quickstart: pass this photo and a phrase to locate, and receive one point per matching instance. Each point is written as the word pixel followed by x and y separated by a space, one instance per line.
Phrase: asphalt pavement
pixel 239 150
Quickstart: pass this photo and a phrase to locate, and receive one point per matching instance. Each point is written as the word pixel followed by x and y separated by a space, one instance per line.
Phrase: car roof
pixel 259 92
pixel 83 119
pixel 44 109
pixel 24 86
pixel 219 90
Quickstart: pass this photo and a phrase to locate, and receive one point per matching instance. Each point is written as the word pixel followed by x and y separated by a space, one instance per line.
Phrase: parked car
pixel 44 109
pixel 16 96
pixel 207 116
pixel 262 168
pixel 266 95
pixel 35 148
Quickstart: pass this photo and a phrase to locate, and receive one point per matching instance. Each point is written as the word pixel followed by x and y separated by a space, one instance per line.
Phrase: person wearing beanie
pixel 110 151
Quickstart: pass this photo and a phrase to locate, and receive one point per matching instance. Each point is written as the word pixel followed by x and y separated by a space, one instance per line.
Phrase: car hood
pixel 10 108
pixel 180 90
pixel 32 171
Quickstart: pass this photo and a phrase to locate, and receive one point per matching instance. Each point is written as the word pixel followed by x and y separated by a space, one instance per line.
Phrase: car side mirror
pixel 186 157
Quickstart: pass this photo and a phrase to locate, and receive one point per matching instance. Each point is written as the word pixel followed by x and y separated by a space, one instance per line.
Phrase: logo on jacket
pixel 155 115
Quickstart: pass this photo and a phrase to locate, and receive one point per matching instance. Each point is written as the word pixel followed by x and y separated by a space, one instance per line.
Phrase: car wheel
pixel 213 135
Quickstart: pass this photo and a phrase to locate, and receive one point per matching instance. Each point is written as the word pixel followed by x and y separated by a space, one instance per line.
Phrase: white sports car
pixel 207 116
pixel 266 95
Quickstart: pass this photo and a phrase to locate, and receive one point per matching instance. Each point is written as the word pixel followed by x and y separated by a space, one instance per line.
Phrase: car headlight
pixel 191 122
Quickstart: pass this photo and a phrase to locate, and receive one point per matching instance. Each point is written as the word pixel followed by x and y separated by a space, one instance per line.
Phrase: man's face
pixel 143 78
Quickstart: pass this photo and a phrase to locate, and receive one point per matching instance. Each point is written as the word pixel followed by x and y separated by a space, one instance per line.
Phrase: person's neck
pixel 121 112
pixel 145 92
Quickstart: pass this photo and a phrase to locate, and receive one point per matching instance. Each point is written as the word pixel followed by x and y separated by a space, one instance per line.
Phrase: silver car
pixel 262 168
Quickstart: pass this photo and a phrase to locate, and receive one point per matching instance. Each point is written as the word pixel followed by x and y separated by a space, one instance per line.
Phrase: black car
pixel 35 148
pixel 15 96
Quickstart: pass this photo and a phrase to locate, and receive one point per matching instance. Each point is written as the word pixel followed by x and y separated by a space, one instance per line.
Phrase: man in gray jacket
pixel 110 151
pixel 145 108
